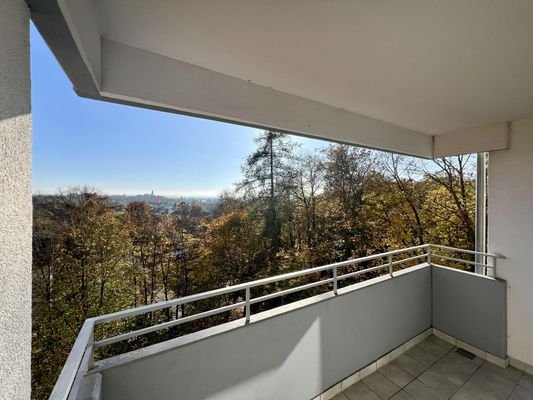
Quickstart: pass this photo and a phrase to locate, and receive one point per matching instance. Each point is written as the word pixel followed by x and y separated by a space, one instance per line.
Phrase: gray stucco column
pixel 15 201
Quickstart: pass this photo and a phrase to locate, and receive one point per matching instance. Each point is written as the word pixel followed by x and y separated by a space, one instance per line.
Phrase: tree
pixel 402 171
pixel 269 176
pixel 309 184
pixel 83 273
pixel 453 201
pixel 142 228
pixel 347 173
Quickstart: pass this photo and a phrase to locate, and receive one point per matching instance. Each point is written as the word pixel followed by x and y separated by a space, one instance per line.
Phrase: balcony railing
pixel 81 357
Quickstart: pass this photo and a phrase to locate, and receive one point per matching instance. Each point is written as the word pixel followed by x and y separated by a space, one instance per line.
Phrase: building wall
pixel 510 214
pixel 15 201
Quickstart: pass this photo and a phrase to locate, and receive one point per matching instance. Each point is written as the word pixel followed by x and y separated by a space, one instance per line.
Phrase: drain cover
pixel 466 354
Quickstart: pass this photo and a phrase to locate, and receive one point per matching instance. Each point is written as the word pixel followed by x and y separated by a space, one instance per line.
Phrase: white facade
pixel 511 233
pixel 15 201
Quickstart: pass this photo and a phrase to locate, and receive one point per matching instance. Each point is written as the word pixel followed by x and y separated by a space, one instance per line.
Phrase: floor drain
pixel 466 354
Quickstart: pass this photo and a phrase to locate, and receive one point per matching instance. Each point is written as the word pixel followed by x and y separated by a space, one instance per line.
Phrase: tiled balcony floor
pixel 434 369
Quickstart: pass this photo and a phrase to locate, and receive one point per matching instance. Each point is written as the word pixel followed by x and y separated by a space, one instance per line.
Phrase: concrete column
pixel 15 201
pixel 510 228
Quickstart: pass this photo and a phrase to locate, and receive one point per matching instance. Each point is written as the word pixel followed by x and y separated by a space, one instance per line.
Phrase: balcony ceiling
pixel 388 75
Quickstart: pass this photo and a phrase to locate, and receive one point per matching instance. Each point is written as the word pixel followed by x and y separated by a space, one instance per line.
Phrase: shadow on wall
pixel 14 63
pixel 292 355
pixel 240 364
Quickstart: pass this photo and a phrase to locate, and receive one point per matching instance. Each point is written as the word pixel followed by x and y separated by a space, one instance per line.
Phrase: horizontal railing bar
pixel 166 325
pixel 380 255
pixel 176 322
pixel 362 271
pixel 465 261
pixel 410 259
pixel 243 286
pixel 229 289
pixel 479 253
pixel 459 260
pixel 322 282
pixel 165 304
pixel 291 290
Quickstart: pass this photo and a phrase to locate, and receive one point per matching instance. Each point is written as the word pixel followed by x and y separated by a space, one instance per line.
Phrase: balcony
pixel 320 345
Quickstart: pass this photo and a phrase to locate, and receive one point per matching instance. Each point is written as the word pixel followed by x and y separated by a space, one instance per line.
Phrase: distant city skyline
pixel 127 150
pixel 132 192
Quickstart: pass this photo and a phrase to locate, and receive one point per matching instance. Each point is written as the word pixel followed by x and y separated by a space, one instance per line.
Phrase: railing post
pixel 335 280
pixel 391 269
pixel 429 255
pixel 494 259
pixel 247 306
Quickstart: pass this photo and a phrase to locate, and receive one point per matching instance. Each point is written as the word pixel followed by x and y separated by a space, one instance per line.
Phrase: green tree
pixel 85 277
pixel 269 176
pixel 347 173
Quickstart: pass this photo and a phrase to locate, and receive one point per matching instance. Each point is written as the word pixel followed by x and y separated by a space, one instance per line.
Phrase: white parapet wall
pixel 510 212
pixel 471 308
pixel 15 201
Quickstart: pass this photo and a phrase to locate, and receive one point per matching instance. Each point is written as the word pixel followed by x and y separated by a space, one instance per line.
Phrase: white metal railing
pixel 81 355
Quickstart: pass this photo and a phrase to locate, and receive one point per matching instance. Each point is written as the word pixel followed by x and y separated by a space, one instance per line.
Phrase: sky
pixel 128 150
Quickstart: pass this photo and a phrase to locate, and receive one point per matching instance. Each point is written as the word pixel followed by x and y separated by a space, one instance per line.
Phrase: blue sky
pixel 127 150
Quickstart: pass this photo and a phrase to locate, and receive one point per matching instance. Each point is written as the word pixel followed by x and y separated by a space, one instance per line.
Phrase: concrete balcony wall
pixel 471 308
pixel 293 352
pixel 510 226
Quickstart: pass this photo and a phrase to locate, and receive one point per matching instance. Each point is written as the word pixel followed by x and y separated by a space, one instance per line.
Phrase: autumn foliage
pixel 290 211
